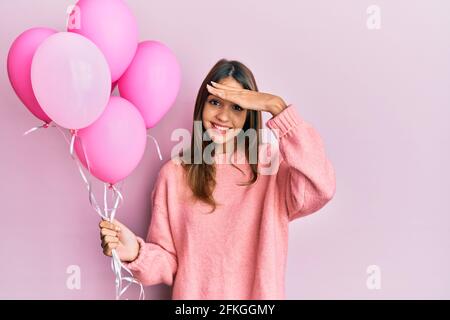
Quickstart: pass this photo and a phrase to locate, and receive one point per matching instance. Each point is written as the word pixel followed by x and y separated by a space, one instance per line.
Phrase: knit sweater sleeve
pixel 157 259
pixel 305 177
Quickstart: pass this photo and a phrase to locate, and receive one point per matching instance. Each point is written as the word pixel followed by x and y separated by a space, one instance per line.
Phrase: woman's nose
pixel 223 116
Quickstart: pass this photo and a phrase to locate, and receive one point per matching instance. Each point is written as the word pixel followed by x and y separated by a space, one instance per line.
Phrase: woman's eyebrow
pixel 211 95
pixel 220 99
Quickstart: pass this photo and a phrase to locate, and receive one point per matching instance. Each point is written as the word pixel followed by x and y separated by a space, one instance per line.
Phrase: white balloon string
pixel 43 126
pixel 72 141
pixel 105 214
pixel 116 263
pixel 62 133
pixel 157 145
pixel 118 201
pixel 105 200
pixel 87 181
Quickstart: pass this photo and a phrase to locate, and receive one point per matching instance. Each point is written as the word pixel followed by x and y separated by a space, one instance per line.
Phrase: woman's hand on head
pixel 248 99
pixel 117 236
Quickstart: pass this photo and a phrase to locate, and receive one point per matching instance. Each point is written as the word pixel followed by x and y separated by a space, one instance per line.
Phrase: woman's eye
pixel 237 108
pixel 213 102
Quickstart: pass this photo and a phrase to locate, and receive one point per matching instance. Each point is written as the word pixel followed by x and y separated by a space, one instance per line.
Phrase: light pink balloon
pixel 71 79
pixel 115 143
pixel 111 26
pixel 152 81
pixel 19 68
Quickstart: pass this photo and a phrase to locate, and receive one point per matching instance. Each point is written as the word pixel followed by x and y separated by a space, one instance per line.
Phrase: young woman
pixel 219 230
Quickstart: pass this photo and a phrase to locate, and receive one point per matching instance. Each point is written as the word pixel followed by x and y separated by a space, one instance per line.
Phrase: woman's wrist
pixel 277 106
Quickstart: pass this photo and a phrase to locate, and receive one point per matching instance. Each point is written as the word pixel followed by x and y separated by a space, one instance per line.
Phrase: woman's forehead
pixel 230 81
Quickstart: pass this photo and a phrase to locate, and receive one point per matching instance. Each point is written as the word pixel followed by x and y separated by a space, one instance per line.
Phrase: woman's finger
pixel 109 247
pixel 223 86
pixel 107 232
pixel 217 92
pixel 228 95
pixel 109 225
pixel 109 239
pixel 107 252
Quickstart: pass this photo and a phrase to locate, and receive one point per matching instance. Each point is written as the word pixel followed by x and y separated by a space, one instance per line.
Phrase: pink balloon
pixel 115 143
pixel 19 67
pixel 152 81
pixel 71 80
pixel 111 26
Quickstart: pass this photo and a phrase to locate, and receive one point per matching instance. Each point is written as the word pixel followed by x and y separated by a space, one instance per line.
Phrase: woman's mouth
pixel 220 129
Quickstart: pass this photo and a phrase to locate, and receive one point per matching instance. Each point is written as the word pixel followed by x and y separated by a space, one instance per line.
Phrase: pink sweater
pixel 240 250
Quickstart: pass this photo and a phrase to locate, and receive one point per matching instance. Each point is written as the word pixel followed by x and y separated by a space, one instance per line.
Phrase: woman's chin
pixel 220 139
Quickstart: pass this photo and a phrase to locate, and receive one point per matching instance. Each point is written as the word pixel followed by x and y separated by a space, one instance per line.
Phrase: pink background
pixel 379 98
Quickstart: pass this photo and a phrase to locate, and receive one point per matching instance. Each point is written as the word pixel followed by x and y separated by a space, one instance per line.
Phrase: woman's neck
pixel 227 151
pixel 229 147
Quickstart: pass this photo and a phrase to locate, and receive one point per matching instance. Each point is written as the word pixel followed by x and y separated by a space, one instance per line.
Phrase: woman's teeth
pixel 222 130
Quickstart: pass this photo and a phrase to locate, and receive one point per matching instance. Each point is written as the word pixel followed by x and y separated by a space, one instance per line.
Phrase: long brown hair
pixel 201 176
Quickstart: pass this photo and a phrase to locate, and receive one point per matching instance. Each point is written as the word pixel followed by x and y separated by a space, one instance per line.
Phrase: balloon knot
pixel 110 185
pixel 46 125
pixel 73 132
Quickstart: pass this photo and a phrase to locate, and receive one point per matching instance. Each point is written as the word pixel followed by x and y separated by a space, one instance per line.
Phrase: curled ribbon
pixel 157 145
